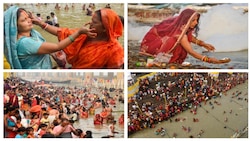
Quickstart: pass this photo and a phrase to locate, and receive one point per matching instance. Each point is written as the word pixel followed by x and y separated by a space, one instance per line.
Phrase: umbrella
pixel 35 109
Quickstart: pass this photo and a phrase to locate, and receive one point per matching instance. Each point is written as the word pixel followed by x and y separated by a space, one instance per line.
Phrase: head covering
pixel 112 23
pixel 165 36
pixel 10 37
pixel 100 54
pixel 176 25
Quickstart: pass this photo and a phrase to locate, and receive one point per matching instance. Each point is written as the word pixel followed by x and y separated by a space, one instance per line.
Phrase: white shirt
pixel 54 20
pixel 110 131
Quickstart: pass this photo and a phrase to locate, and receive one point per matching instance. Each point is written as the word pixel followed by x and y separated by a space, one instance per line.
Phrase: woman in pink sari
pixel 174 36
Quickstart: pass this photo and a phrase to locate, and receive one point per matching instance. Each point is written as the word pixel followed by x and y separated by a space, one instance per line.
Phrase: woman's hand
pixel 209 47
pixel 87 31
pixel 224 60
pixel 221 61
pixel 34 20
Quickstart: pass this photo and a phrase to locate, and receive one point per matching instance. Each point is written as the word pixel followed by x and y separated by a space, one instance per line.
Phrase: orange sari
pixel 99 54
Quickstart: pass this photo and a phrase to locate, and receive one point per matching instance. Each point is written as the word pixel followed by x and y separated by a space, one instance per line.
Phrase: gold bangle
pixel 71 38
pixel 205 59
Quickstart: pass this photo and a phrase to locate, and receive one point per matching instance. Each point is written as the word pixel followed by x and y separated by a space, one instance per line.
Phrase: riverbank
pixel 238 59
pixel 221 117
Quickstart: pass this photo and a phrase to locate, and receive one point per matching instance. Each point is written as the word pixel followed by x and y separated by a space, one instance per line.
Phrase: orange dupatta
pixel 103 54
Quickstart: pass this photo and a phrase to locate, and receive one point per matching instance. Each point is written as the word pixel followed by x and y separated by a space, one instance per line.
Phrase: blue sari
pixel 22 53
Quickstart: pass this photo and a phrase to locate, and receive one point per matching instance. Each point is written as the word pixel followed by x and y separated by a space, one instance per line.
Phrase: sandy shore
pixel 220 120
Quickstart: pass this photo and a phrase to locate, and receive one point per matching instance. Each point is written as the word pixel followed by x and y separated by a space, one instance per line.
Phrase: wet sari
pixel 165 37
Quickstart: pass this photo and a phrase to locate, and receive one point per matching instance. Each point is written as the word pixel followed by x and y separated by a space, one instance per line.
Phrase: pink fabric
pixel 58 128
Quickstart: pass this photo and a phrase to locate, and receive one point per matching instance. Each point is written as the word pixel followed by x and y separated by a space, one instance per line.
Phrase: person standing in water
pixel 111 129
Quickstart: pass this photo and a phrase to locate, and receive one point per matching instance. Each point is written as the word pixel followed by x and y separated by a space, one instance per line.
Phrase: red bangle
pixel 208 60
pixel 44 25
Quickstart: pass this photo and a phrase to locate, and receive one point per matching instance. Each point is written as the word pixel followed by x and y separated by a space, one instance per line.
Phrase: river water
pixel 211 120
pixel 224 26
pixel 75 18
pixel 72 18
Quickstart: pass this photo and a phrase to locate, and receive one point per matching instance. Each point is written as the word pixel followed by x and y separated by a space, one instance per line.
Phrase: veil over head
pixel 10 37
pixel 112 23
pixel 165 36
pixel 174 26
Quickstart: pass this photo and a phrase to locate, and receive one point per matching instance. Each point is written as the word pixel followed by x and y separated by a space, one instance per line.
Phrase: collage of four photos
pixel 125 70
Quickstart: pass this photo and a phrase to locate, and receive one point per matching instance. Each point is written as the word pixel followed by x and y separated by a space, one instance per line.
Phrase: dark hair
pixel 42 125
pixel 11 108
pixel 18 13
pixel 29 129
pixel 78 132
pixel 18 118
pixel 99 14
pixel 60 115
pixel 197 26
pixel 122 19
pixel 43 109
pixel 48 135
pixel 88 134
pixel 52 13
pixel 21 129
pixel 55 123
pixel 71 121
pixel 64 119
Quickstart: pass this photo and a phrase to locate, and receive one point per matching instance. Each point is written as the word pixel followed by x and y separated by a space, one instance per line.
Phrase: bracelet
pixel 45 26
pixel 209 60
pixel 206 59
pixel 197 42
pixel 71 38
pixel 203 58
